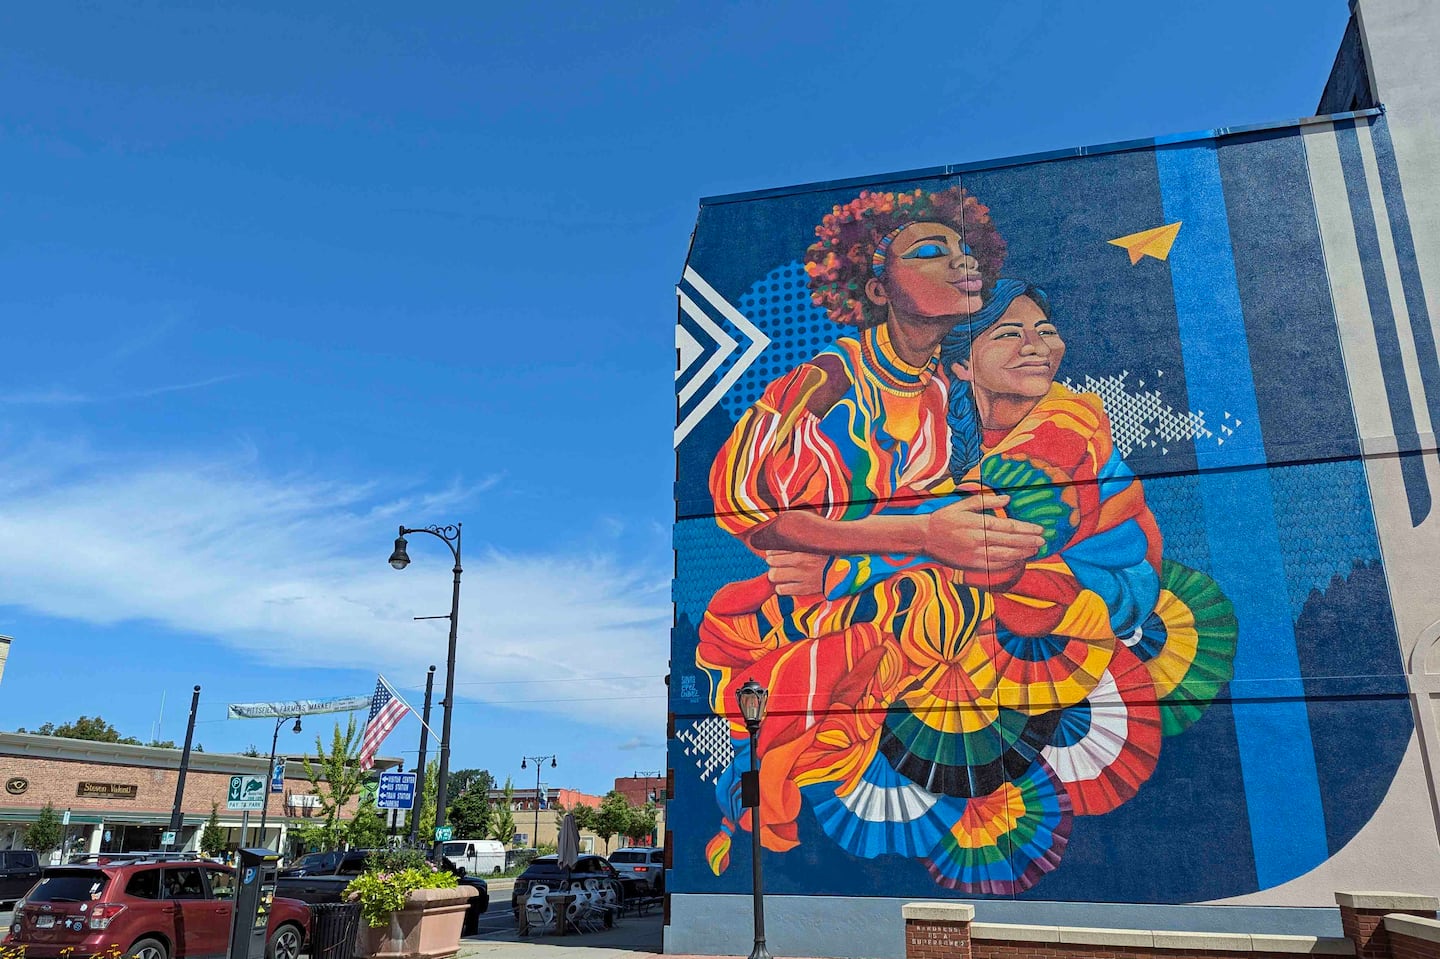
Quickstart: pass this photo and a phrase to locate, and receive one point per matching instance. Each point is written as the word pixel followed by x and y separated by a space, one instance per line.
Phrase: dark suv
pixel 19 868
pixel 150 909
pixel 547 869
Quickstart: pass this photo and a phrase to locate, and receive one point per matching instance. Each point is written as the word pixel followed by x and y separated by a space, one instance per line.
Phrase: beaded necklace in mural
pixel 888 370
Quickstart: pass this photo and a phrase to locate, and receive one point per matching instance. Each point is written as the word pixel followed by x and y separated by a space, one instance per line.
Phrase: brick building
pixel 120 796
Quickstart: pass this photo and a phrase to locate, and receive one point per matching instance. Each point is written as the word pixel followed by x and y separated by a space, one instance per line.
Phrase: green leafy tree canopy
pixel 502 821
pixel 367 830
pixel 470 814
pixel 212 837
pixel 45 833
pixel 335 778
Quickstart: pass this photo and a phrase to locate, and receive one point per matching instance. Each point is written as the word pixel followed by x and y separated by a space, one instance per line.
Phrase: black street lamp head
pixel 752 697
pixel 522 764
pixel 400 559
pixel 552 762
pixel 296 728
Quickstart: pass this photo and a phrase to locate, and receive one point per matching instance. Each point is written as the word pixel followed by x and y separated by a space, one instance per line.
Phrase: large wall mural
pixel 1033 495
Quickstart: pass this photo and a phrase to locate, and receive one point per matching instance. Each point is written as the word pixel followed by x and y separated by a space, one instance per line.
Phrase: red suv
pixel 170 909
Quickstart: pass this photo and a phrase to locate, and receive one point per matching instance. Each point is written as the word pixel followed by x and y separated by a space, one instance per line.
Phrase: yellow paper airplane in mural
pixel 1156 242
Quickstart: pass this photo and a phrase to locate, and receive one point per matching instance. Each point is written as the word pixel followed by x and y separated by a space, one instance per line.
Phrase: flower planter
pixel 427 928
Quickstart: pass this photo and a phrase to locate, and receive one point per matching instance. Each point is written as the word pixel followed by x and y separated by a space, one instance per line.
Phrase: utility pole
pixel 420 766
pixel 176 816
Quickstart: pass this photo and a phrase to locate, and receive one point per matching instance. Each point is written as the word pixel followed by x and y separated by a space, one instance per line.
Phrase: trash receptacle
pixel 334 927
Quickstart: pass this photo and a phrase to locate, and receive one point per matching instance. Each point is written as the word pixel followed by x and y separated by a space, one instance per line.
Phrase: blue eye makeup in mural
pixel 934 250
pixel 927 251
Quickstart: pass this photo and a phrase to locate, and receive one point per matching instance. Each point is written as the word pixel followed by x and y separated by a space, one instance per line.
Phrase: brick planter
pixel 427 928
pixel 1362 916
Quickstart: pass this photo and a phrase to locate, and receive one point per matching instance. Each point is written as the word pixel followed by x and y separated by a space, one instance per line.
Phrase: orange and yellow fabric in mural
pixel 908 685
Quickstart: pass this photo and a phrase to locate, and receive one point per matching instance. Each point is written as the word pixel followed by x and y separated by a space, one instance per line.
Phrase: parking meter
pixel 254 894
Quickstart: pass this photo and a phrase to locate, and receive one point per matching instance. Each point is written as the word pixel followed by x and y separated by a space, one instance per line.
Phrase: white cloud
pixel 292 568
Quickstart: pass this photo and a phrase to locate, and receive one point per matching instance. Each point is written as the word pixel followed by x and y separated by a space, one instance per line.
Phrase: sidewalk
pixel 632 938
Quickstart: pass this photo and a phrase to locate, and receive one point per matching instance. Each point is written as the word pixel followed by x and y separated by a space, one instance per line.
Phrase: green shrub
pixel 394 860
pixel 381 892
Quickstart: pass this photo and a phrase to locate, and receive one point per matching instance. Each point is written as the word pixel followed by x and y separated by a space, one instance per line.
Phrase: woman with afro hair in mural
pixel 941 688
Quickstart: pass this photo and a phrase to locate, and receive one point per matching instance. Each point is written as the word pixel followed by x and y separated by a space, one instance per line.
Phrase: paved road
pixel 498 917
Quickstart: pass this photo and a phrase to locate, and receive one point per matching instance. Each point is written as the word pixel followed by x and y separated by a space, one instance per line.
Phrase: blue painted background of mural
pixel 1220 370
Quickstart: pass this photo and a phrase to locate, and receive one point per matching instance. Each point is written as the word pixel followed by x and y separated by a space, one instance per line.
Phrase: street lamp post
pixel 399 559
pixel 538 761
pixel 270 775
pixel 753 698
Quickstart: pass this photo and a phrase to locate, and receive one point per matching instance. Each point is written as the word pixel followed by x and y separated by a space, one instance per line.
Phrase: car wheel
pixel 285 944
pixel 149 949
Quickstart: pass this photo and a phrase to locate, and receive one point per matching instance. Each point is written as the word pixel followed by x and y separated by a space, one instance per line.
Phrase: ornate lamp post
pixel 270 778
pixel 753 697
pixel 538 761
pixel 399 559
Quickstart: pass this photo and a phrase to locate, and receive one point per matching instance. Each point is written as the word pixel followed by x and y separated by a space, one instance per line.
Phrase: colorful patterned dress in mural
pixel 920 714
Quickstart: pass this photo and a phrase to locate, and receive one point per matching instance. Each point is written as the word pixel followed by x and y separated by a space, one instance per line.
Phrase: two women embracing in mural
pixel 968 629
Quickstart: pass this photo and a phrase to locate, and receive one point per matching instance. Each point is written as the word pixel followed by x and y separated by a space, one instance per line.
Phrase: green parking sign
pixel 246 793
pixel 442 833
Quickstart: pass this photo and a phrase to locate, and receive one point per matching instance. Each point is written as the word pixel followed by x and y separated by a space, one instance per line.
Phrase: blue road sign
pixel 396 791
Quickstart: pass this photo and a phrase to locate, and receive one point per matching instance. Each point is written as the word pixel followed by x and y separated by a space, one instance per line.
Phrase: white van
pixel 478 857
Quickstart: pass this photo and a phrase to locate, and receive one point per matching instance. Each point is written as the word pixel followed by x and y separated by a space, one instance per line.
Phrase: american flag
pixel 386 711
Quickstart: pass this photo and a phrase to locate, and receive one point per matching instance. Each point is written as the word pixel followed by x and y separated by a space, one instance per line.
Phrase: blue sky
pixel 274 282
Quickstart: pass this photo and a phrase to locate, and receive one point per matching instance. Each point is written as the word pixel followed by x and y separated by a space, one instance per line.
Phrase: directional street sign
pixel 247 793
pixel 396 791
pixel 443 833
pixel 167 838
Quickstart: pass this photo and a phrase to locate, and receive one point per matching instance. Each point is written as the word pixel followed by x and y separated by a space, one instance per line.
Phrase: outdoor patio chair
pixel 538 912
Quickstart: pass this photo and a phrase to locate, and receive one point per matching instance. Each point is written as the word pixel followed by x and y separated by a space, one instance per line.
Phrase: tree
pixel 250 750
pixel 502 823
pixel 335 779
pixel 163 744
pixel 92 728
pixel 584 816
pixel 426 830
pixel 613 817
pixel 45 833
pixel 367 830
pixel 212 837
pixel 463 780
pixel 470 814
pixel 643 820
pixel 312 836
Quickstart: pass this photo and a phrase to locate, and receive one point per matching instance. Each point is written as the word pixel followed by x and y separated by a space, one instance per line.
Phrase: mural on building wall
pixel 1032 496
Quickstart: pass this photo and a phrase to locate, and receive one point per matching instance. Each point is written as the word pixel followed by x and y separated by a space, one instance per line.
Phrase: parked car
pixel 479 857
pixel 644 864
pixel 322 877
pixel 547 869
pixel 323 863
pixel 19 869
pixel 151 909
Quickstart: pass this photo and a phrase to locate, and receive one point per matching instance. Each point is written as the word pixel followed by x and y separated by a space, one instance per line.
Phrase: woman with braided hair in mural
pixel 842 456
pixel 960 714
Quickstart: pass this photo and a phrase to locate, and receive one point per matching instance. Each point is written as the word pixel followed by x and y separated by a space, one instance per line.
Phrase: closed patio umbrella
pixel 568 846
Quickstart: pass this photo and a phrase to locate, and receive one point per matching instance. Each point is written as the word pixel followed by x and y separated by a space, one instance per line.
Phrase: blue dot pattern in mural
pixel 1314 553
pixel 710 558
pixel 779 305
